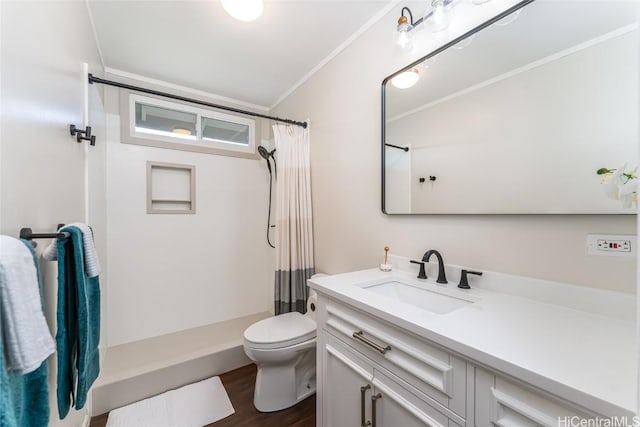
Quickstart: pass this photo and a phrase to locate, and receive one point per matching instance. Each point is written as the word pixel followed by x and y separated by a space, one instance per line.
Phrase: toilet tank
pixel 312 301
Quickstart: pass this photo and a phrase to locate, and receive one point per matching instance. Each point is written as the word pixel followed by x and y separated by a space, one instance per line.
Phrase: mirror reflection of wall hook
pixel 423 179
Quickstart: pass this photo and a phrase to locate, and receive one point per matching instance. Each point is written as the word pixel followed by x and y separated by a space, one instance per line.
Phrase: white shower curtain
pixel 294 231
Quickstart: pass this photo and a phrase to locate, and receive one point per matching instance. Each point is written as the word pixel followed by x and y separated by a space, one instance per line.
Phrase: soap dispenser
pixel 385 266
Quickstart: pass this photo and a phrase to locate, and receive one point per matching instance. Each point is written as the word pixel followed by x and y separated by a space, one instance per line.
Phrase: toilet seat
pixel 280 331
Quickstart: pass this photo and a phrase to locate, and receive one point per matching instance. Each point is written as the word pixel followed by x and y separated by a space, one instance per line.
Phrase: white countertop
pixel 584 357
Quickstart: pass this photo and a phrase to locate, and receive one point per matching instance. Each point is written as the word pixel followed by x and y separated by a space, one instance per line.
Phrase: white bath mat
pixel 194 405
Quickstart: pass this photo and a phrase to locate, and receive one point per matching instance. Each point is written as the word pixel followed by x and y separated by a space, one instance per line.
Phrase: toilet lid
pixel 280 331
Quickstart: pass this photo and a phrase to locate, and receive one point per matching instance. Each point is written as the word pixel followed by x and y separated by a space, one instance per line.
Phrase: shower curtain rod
pixel 93 79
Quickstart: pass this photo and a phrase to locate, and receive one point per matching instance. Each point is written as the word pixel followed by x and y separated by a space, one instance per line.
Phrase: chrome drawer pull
pixel 363 391
pixel 359 335
pixel 374 399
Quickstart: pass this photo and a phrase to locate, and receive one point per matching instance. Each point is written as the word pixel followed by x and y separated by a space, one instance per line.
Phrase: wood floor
pixel 239 385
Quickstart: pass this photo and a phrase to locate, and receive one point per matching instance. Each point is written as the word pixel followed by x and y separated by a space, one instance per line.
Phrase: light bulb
pixel 244 10
pixel 440 16
pixel 406 79
pixel 403 39
pixel 403 34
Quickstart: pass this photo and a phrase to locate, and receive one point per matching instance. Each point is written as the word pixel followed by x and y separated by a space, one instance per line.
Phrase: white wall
pixel 42 168
pixel 343 102
pixel 173 272
pixel 542 165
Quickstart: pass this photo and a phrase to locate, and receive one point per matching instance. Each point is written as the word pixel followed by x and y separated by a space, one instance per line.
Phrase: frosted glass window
pixel 165 124
pixel 224 131
pixel 157 120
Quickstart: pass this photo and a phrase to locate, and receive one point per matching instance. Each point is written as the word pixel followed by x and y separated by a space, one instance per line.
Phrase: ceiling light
pixel 181 131
pixel 406 79
pixel 244 10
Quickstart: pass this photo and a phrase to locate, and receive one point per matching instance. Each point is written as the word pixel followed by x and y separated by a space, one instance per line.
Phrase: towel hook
pixel 82 135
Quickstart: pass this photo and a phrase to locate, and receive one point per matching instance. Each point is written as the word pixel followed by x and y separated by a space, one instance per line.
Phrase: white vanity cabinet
pixel 371 372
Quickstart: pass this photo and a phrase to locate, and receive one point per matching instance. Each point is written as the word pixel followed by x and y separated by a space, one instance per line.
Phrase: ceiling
pixel 198 45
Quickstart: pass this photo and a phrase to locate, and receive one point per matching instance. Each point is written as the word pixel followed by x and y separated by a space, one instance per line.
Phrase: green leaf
pixel 604 171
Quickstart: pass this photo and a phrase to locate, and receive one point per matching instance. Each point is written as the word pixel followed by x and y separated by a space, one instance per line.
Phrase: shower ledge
pixel 141 369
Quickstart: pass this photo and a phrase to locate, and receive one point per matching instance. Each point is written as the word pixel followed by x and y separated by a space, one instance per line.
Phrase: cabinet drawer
pixel 429 369
pixel 505 403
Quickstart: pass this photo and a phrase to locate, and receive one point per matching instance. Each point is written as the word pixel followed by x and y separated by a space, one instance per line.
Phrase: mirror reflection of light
pixel 406 79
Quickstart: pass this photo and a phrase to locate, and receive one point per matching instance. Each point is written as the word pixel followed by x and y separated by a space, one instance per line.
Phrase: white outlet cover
pixel 626 243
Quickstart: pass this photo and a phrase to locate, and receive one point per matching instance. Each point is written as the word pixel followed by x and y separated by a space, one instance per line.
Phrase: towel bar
pixel 28 234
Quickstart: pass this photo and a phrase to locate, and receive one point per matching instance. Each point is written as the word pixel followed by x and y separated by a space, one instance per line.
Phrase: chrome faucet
pixel 442 277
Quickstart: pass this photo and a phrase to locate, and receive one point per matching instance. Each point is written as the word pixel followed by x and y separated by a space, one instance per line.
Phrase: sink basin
pixel 432 301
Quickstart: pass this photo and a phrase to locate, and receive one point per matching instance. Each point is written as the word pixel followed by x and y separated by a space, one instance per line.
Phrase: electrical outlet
pixel 611 244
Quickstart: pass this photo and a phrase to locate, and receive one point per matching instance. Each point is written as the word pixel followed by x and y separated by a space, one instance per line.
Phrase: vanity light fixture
pixel 406 79
pixel 437 18
pixel 244 10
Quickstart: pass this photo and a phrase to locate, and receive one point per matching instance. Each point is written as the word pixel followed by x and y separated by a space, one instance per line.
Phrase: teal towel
pixel 24 399
pixel 78 316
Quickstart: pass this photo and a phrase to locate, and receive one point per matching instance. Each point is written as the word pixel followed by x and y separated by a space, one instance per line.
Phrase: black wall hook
pixel 82 135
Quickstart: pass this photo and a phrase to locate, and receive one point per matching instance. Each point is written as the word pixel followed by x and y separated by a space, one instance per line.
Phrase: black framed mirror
pixel 516 116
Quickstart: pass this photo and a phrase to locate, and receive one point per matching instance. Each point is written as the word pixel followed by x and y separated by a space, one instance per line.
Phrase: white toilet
pixel 284 348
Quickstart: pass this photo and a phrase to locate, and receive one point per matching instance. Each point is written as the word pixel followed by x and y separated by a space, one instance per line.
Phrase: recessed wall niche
pixel 171 188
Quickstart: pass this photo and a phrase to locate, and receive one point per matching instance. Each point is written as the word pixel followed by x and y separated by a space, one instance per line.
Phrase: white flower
pixel 612 187
pixel 626 192
pixel 622 185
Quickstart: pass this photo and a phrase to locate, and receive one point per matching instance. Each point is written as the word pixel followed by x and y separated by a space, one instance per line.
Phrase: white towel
pixel 27 340
pixel 91 261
